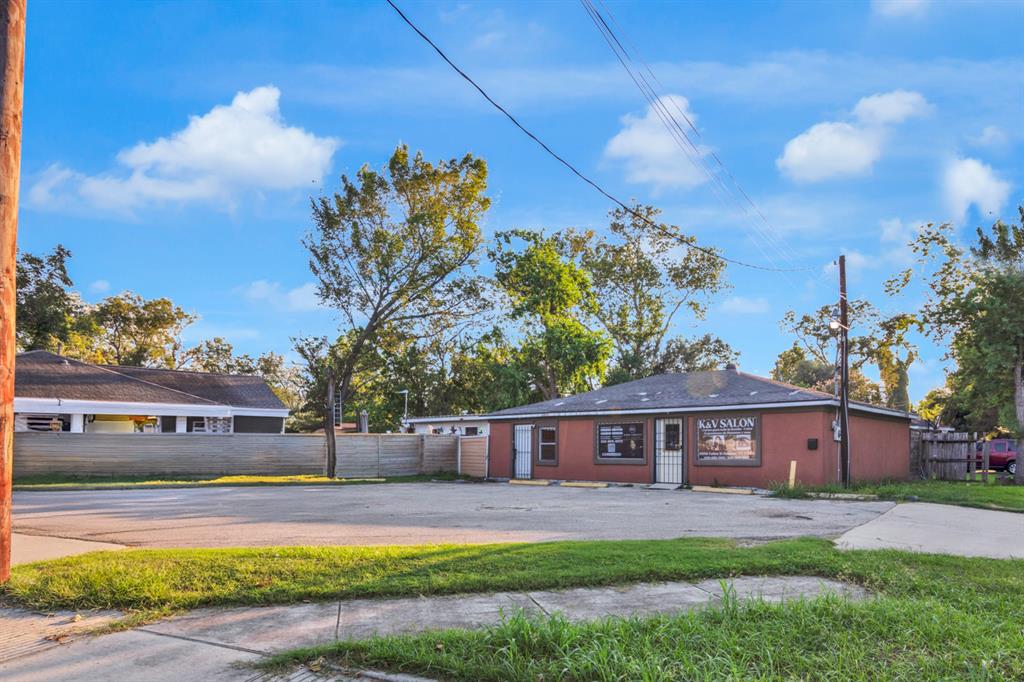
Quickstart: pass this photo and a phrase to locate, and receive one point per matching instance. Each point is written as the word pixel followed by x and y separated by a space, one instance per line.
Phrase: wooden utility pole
pixel 844 377
pixel 12 77
pixel 329 423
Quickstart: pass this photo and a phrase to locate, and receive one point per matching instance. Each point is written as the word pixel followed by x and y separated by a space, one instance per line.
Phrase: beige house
pixel 54 393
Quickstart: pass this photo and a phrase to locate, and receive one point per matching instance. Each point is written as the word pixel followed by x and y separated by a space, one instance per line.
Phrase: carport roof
pixel 690 391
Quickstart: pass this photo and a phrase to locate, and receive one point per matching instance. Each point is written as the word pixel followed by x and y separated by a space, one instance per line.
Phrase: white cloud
pixel 100 286
pixel 992 137
pixel 968 182
pixel 746 306
pixel 895 236
pixel 891 107
pixel 836 149
pixel 892 230
pixel 830 150
pixel 243 146
pixel 900 8
pixel 856 262
pixel 300 299
pixel 649 152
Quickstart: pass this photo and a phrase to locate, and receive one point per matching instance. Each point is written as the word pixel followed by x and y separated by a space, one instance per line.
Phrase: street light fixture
pixel 405 412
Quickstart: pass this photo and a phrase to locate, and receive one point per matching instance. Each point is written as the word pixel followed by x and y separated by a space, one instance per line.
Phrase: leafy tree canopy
pixel 974 304
pixel 396 249
pixel 549 292
pixel 46 308
pixel 643 275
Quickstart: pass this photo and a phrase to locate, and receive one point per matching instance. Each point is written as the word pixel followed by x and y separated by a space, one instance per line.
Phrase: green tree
pixel 396 250
pixel 138 331
pixel 218 356
pixel 46 306
pixel 810 362
pixel 974 303
pixel 643 276
pixel 548 291
pixel 698 354
pixel 494 374
pixel 893 354
pixel 798 367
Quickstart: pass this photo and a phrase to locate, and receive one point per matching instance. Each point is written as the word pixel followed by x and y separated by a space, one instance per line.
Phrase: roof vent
pixel 733 366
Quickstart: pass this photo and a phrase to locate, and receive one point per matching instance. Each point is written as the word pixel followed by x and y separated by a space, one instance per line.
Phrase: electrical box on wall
pixel 812 443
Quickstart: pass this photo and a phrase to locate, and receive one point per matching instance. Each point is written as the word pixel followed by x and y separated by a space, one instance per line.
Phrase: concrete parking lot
pixel 416 513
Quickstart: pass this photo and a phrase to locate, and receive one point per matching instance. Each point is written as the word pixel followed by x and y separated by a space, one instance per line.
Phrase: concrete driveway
pixel 417 513
pixel 941 529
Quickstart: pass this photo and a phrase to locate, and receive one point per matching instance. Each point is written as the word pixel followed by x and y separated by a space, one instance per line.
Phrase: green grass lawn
pixel 61 482
pixel 891 638
pixel 937 617
pixel 992 495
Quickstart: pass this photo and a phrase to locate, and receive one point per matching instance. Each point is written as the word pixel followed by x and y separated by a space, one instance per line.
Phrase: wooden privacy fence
pixel 473 456
pixel 380 455
pixel 949 456
pixel 185 454
pixel 141 454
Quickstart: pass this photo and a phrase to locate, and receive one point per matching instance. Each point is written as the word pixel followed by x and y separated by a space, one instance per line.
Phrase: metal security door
pixel 523 450
pixel 668 451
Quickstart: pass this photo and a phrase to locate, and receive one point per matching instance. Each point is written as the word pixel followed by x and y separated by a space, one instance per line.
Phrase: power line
pixel 668 120
pixel 710 252
pixel 724 191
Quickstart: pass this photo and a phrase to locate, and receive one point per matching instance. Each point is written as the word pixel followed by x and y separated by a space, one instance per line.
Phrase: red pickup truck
pixel 1002 454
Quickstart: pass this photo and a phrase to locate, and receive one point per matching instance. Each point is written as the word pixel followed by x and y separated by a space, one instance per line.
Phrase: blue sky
pixel 173 147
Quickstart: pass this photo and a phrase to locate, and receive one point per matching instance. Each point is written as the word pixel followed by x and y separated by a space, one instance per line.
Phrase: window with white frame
pixel 548 450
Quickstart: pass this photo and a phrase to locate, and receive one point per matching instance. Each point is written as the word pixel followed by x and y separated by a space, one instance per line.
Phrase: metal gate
pixel 523 450
pixel 668 451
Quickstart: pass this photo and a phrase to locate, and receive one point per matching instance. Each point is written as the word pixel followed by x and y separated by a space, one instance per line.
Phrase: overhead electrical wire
pixel 575 171
pixel 730 192
pixel 779 245
pixel 668 120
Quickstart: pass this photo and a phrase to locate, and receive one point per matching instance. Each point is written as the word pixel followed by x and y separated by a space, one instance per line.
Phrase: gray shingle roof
pixel 713 389
pixel 239 390
pixel 41 374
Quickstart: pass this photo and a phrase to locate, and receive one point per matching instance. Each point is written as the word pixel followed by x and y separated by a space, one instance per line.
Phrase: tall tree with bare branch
pixel 396 249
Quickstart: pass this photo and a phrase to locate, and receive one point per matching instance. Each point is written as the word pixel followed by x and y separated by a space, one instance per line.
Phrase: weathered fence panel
pixel 951 456
pixel 439 454
pixel 126 454
pixel 473 456
pixel 186 454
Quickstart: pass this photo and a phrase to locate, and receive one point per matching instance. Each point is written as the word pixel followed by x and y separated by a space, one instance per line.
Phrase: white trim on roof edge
pixel 662 410
pixel 59 406
pixel 458 418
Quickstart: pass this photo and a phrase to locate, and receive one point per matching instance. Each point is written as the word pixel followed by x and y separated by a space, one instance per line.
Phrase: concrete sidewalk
pixel 216 644
pixel 941 529
pixel 26 549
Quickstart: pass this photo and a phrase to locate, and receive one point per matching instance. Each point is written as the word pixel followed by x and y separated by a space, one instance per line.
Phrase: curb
pixel 727 491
